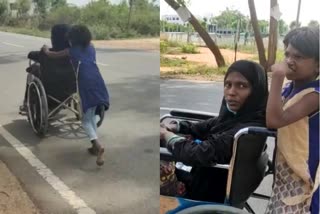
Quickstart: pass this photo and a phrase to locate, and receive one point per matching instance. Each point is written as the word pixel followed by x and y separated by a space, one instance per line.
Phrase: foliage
pixel 229 19
pixel 171 47
pixel 65 14
pixel 23 7
pixel 3 8
pixel 58 3
pixel 105 20
pixel 313 23
pixel 163 46
pixel 172 62
pixel 293 25
pixel 283 27
pixel 189 48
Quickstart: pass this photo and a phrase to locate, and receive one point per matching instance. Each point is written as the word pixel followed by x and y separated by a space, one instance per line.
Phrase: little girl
pixel 92 89
pixel 295 113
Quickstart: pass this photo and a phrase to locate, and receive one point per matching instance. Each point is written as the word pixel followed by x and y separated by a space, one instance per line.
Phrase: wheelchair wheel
pixel 37 107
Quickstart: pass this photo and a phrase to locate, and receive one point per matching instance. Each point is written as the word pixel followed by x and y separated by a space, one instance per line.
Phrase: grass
pixel 172 47
pixel 26 31
pixel 173 62
pixel 279 56
pixel 184 67
pixel 249 48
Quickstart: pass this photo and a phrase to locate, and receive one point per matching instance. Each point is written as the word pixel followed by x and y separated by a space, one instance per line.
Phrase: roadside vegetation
pixel 128 19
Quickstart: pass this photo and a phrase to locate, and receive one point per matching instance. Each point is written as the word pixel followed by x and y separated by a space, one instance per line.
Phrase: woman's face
pixel 236 90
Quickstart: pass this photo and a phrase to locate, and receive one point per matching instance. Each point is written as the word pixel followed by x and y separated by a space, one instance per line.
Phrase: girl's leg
pixel 89 124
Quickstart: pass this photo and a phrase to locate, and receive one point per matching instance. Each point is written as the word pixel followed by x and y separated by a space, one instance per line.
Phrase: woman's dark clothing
pixel 216 134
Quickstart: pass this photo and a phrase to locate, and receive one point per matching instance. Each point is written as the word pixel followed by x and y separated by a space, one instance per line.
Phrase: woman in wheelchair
pixel 92 89
pixel 59 41
pixel 243 105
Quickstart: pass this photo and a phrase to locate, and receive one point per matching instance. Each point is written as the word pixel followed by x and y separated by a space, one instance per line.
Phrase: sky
pixel 206 8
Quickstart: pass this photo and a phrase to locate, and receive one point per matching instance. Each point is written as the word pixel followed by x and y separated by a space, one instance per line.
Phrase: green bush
pixel 66 15
pixel 163 46
pixel 172 62
pixel 189 48
pixel 105 20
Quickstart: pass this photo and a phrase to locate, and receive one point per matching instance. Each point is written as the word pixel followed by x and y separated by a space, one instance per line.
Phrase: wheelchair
pixel 249 165
pixel 51 86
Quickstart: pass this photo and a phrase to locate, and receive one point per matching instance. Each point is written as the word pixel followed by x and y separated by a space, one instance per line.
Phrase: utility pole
pixel 298 14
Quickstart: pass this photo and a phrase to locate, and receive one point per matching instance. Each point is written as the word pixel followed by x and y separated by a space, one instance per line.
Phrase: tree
pixel 229 19
pixel 176 4
pixel 283 27
pixel 257 34
pixel 58 3
pixel 313 23
pixel 129 15
pixel 273 36
pixel 3 7
pixel 293 25
pixel 263 26
pixel 23 7
pixel 42 7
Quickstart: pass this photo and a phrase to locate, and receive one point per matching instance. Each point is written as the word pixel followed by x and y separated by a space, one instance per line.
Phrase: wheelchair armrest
pixel 34 55
pixel 262 131
pixel 185 113
pixel 167 156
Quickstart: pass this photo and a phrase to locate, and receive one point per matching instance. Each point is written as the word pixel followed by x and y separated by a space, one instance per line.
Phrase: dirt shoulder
pixel 13 199
pixel 151 44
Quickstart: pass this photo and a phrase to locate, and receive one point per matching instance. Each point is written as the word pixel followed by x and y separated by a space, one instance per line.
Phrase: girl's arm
pixel 55 54
pixel 276 116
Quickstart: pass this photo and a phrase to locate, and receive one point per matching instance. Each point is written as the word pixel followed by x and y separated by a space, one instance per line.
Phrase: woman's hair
pixel 305 40
pixel 80 35
pixel 59 39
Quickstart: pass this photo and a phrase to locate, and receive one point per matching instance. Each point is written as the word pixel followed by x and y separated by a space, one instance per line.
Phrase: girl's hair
pixel 80 35
pixel 305 40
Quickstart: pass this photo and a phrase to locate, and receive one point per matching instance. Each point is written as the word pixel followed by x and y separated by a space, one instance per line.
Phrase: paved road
pixel 205 96
pixel 128 182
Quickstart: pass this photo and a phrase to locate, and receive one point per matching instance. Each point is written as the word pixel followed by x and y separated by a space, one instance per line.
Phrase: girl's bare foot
pixel 100 160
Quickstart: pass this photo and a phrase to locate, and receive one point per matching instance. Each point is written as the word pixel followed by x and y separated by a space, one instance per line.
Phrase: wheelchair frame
pixel 38 113
pixel 182 114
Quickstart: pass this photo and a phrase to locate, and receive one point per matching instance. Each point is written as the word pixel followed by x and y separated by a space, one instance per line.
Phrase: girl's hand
pixel 279 69
pixel 45 48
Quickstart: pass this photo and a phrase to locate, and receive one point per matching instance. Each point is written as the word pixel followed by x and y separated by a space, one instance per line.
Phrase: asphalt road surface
pixel 67 179
pixel 207 97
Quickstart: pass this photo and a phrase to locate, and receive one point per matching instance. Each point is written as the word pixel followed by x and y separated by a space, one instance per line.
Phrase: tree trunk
pixel 203 34
pixel 273 37
pixel 257 35
pixel 129 15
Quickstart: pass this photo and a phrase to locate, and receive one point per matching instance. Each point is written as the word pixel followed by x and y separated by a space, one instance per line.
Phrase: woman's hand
pixel 163 131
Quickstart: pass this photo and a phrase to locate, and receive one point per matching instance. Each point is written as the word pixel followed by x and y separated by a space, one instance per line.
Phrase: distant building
pixel 174 19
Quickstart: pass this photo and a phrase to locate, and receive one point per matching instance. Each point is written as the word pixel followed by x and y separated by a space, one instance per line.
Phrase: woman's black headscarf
pixel 59 38
pixel 253 109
